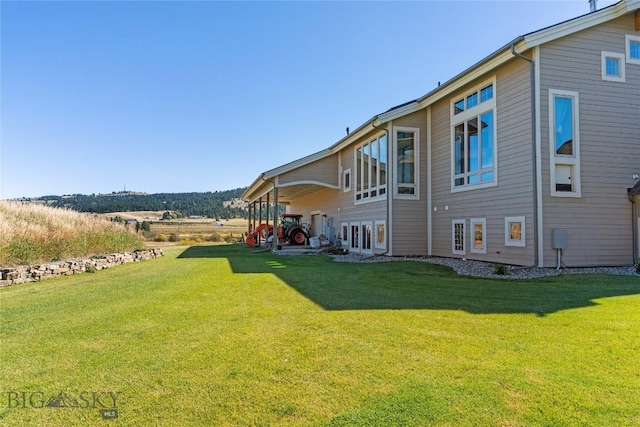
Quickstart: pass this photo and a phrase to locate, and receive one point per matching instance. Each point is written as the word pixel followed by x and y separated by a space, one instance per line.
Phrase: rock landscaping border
pixel 488 270
pixel 34 273
pixel 465 267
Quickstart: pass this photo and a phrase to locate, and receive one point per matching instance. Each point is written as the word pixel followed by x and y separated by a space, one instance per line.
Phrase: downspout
pixel 533 149
pixel 388 185
pixel 634 229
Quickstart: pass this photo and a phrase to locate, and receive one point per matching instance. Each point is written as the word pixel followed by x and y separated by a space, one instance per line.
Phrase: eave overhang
pixel 289 191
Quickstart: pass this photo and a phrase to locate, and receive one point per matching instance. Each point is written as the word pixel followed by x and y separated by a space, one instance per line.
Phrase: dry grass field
pixel 186 230
pixel 31 233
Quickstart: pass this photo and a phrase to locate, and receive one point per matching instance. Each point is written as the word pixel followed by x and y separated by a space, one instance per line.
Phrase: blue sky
pixel 178 96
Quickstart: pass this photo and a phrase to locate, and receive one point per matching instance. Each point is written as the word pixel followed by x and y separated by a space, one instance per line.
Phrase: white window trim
pixel 346 173
pixel 508 241
pixel 382 245
pixel 573 161
pixel 477 110
pixel 453 236
pixel 628 39
pixel 363 225
pixel 416 163
pixel 472 237
pixel 345 239
pixel 621 78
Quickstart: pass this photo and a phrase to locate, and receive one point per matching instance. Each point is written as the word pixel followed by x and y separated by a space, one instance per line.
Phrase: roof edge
pixel 573 25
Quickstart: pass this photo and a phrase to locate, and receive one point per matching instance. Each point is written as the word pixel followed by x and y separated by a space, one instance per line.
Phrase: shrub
pixel 149 235
pixel 500 269
pixel 174 237
pixel 89 268
pixel 161 238
pixel 215 237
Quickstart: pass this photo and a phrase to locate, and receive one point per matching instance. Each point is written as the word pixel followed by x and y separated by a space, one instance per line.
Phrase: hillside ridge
pixel 218 204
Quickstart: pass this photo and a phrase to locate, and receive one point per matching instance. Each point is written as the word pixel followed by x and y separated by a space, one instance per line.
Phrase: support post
pixel 259 219
pixel 253 217
pixel 267 216
pixel 276 242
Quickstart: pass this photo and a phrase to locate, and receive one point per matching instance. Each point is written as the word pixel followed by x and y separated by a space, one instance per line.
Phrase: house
pixel 529 157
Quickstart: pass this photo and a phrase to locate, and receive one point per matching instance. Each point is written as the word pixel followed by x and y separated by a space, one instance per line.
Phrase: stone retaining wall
pixel 35 273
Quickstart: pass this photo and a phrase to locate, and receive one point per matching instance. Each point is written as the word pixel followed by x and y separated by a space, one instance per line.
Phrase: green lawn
pixel 222 335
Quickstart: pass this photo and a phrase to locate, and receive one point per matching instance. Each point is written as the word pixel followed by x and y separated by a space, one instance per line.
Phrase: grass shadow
pixel 417 285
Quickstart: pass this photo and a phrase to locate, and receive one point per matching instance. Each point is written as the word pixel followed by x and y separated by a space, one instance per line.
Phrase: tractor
pixel 290 231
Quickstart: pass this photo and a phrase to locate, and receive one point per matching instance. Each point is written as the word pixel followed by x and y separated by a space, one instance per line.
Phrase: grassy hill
pixel 31 233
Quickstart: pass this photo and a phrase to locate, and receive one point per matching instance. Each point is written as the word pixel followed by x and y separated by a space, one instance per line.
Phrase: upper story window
pixel 632 47
pixel 473 150
pixel 371 169
pixel 471 100
pixel 347 180
pixel 406 149
pixel 613 67
pixel 564 137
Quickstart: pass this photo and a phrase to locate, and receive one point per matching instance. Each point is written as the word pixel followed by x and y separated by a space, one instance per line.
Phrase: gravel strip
pixel 486 269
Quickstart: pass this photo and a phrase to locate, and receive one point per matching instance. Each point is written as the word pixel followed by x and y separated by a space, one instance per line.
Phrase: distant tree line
pixel 210 204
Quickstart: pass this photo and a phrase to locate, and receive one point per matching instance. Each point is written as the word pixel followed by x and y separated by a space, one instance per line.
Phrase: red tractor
pixel 290 231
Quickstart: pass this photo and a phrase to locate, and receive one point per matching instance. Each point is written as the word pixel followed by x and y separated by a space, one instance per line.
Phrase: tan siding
pixel 410 216
pixel 599 223
pixel 324 170
pixel 513 196
pixel 326 201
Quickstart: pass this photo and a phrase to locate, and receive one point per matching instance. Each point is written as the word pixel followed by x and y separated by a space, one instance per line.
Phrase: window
pixel 564 140
pixel 354 236
pixel 381 235
pixel 514 231
pixel 486 93
pixel 478 235
pixel 344 234
pixel 457 236
pixel 371 169
pixel 473 150
pixel 406 154
pixel 347 180
pixel 632 48
pixel 613 67
pixel 471 100
pixel 366 232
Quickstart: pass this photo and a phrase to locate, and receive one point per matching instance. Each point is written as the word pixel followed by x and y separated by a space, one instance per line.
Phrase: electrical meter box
pixel 559 238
